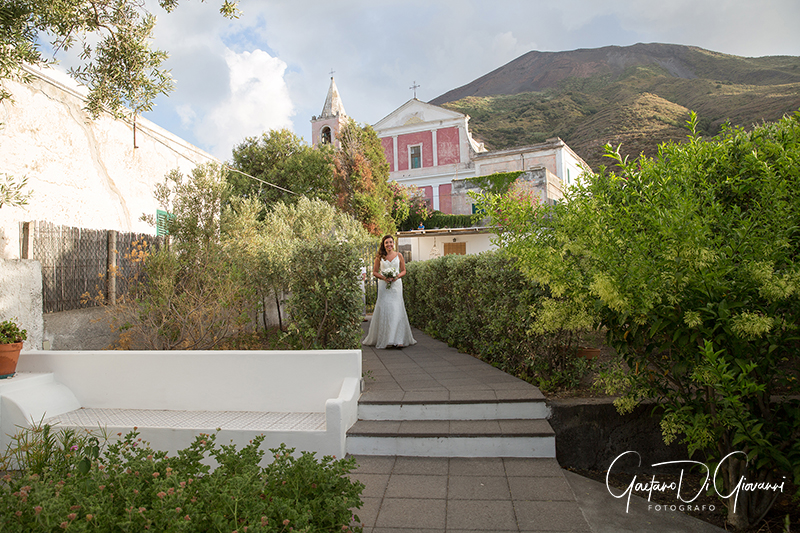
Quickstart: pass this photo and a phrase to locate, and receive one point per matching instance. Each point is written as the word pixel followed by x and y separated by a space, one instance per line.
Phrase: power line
pixel 262 181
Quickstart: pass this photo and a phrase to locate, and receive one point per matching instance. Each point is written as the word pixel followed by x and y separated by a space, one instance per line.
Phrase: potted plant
pixel 11 338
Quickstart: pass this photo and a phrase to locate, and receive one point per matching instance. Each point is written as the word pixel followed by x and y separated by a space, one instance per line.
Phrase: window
pixel 325 135
pixel 416 156
pixel 458 248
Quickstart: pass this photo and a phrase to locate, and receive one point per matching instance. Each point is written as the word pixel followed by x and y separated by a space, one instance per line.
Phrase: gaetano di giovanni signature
pixel 654 485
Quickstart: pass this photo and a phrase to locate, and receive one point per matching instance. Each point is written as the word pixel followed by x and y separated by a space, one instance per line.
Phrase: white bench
pixel 305 399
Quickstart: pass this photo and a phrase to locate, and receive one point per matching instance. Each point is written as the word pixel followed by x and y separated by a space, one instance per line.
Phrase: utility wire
pixel 262 181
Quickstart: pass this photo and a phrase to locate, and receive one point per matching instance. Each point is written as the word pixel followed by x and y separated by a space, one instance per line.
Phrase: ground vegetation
pixel 55 479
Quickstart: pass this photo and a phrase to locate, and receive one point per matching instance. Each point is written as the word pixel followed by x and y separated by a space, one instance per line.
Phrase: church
pixel 431 147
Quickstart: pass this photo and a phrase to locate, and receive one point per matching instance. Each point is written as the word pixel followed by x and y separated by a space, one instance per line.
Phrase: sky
pixel 271 67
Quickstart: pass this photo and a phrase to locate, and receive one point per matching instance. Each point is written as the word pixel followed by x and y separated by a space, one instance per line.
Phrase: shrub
pixel 224 264
pixel 198 291
pixel 437 219
pixel 691 261
pixel 326 301
pixel 484 305
pixel 78 483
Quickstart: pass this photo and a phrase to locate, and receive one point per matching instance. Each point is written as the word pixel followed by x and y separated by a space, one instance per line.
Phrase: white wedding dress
pixel 389 325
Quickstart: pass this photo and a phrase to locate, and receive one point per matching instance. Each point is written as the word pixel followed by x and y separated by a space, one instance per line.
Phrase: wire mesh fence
pixel 80 265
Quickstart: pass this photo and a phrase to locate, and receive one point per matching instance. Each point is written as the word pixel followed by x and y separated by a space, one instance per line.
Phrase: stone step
pixel 453 410
pixel 452 438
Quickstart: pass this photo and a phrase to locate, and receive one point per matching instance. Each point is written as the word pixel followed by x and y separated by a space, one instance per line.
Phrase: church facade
pixel 431 147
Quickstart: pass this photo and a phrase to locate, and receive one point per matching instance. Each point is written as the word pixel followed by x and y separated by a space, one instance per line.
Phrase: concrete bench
pixel 305 399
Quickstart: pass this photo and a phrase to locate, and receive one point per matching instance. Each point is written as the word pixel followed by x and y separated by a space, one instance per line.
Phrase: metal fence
pixel 84 267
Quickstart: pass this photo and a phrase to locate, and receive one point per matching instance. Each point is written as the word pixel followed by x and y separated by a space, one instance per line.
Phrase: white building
pixel 82 172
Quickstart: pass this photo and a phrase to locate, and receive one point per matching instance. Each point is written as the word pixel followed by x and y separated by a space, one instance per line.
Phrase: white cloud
pixel 258 101
pixel 379 48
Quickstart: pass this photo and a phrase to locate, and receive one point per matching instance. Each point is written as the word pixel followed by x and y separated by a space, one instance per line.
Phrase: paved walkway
pixel 450 494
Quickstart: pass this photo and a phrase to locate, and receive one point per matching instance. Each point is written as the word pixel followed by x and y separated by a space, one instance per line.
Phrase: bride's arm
pixel 376 268
pixel 402 266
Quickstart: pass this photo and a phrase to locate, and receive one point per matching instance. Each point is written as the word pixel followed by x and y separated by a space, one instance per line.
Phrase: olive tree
pixel 120 68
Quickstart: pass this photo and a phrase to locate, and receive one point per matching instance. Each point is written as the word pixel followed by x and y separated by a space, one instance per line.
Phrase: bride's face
pixel 388 244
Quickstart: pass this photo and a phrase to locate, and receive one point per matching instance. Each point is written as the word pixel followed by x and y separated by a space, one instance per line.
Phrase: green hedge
pixel 438 220
pixel 326 302
pixel 483 305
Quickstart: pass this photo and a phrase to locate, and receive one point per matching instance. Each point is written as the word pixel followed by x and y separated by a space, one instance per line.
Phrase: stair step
pixel 454 410
pixel 452 438
pixel 452 428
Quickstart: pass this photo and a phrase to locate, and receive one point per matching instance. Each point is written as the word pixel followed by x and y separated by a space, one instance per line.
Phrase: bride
pixel 389 325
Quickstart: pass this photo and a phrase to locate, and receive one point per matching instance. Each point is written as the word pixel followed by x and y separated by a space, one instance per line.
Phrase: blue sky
pixel 271 68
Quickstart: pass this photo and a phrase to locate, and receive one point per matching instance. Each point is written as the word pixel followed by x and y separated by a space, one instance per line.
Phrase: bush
pixel 225 263
pixel 691 263
pixel 483 305
pixel 200 290
pixel 66 481
pixel 437 219
pixel 326 300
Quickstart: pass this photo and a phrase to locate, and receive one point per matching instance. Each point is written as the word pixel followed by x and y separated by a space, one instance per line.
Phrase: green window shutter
pixel 162 222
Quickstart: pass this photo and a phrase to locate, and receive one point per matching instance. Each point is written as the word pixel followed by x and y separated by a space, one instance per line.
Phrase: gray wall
pixel 79 329
pixel 21 298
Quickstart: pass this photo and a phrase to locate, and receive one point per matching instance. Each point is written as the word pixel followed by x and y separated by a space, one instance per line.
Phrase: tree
pixel 691 263
pixel 288 225
pixel 12 191
pixel 409 207
pixel 281 158
pixel 121 70
pixel 360 179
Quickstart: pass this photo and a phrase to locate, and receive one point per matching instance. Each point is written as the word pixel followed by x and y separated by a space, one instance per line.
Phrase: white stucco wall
pixel 21 298
pixel 82 172
pixel 422 245
pixel 51 383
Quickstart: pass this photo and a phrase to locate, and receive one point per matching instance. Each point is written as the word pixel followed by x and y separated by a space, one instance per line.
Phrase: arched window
pixel 325 136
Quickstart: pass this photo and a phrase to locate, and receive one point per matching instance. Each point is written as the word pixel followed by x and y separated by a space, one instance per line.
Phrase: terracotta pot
pixel 9 355
pixel 588 353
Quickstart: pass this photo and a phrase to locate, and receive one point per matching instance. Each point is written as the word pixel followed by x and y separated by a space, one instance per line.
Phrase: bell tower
pixel 325 128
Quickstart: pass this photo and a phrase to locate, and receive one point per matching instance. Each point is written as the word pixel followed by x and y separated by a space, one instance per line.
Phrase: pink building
pixel 430 147
pixel 325 128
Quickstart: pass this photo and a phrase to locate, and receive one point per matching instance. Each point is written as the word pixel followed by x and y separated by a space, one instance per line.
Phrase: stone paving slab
pixel 432 371
pixel 465 494
pixel 485 493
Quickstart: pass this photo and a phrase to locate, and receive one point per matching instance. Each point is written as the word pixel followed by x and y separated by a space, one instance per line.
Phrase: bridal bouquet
pixel 389 273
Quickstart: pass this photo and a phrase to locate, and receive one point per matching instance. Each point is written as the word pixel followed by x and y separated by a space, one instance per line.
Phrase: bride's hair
pixel 382 250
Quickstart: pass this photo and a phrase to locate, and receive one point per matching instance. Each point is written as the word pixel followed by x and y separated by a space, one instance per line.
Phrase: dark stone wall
pixel 590 434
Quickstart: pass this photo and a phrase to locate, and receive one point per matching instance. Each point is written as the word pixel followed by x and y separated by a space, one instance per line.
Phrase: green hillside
pixel 638 102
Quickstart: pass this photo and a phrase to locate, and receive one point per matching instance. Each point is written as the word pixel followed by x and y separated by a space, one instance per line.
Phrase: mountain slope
pixel 637 96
